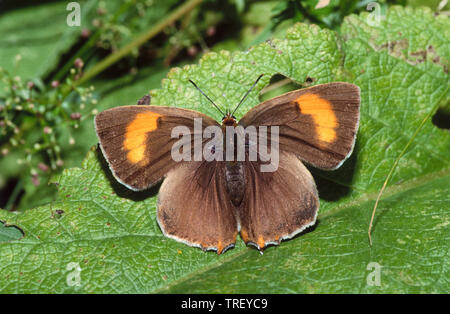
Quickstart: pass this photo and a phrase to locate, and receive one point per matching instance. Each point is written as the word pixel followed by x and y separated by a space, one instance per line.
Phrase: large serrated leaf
pixel 112 235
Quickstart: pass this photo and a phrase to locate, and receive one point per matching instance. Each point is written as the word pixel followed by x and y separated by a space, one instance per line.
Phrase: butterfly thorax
pixel 228 120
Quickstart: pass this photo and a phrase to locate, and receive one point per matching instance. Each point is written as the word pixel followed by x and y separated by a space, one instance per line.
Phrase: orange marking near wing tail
pixel 261 243
pixel 244 235
pixel 322 113
pixel 136 136
pixel 219 247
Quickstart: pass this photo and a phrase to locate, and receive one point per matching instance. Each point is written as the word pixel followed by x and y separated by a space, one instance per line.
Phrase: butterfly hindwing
pixel 277 205
pixel 194 208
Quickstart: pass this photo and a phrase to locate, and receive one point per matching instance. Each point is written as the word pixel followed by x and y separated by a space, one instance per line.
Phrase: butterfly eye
pixel 233 117
pixel 223 118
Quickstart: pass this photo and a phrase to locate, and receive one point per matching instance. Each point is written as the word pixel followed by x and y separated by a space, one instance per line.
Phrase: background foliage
pixel 400 64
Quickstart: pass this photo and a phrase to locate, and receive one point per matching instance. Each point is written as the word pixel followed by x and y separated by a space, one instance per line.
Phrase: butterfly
pixel 207 203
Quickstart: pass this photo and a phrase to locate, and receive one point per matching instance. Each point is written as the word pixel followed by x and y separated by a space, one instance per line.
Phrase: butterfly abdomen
pixel 235 181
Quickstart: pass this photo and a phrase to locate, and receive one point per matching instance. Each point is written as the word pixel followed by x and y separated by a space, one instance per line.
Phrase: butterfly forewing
pixel 318 123
pixel 136 141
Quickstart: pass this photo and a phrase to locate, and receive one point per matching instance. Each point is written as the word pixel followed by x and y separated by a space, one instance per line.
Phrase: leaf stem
pixel 141 39
pixel 60 74
pixel 394 166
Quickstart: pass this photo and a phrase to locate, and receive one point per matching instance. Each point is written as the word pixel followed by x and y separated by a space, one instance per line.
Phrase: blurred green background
pixel 54 77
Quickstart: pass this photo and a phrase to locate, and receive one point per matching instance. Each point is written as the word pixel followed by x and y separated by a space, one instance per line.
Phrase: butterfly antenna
pixel 248 92
pixel 195 85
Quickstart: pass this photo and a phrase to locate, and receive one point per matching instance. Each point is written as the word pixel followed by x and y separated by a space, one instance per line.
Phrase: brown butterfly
pixel 207 203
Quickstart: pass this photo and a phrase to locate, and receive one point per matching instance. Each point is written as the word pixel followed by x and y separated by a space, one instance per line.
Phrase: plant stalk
pixel 141 39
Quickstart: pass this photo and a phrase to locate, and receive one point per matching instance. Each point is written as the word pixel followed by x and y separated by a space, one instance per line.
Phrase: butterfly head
pixel 229 120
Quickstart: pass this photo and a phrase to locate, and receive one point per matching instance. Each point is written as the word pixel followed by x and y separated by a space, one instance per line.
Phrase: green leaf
pixel 112 235
pixel 8 233
pixel 33 38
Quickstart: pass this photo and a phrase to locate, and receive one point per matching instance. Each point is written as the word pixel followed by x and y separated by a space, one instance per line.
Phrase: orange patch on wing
pixel 261 242
pixel 136 135
pixel 322 113
pixel 219 247
pixel 244 235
